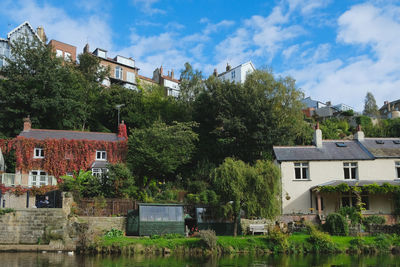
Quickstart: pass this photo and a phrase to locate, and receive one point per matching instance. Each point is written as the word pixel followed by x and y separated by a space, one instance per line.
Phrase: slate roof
pixel 358 182
pixel 328 151
pixel 41 134
pixel 389 149
pixel 100 164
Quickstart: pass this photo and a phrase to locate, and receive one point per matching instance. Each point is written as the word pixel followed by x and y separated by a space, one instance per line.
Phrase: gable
pixel 25 29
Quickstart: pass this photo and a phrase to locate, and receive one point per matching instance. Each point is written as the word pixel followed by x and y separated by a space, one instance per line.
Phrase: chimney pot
pixel 161 70
pixel 386 102
pixel 27 124
pixel 86 49
pixel 215 73
pixel 172 73
pixel 228 67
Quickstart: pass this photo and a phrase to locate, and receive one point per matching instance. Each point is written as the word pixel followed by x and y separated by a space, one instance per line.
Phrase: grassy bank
pixel 297 243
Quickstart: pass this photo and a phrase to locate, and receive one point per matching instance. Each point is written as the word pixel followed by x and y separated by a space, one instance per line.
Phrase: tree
pixel 370 107
pixel 191 84
pixel 157 151
pixel 39 84
pixel 254 189
pixel 245 121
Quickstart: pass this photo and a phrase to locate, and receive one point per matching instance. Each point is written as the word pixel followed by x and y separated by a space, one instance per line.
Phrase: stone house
pixel 390 110
pixel 359 162
pixel 168 82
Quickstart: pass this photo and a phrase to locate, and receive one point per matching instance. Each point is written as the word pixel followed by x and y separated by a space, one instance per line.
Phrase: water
pixel 62 259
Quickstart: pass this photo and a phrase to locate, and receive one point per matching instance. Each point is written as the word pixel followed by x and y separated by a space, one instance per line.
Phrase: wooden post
pixel 319 208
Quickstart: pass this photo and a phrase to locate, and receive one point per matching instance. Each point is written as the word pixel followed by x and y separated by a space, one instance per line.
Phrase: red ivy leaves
pixel 61 156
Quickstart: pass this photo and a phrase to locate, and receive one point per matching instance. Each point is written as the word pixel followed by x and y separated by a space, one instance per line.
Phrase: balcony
pixel 26 180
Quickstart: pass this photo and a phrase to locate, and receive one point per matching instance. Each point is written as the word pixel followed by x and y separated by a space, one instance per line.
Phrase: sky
pixel 335 50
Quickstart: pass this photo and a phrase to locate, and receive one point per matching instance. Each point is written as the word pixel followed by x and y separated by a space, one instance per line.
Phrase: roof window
pixel 341 144
pixel 379 142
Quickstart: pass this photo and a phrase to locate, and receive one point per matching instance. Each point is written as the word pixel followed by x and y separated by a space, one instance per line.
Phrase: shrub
pixel 383 242
pixel 114 233
pixel 321 242
pixel 358 244
pixel 277 241
pixel 374 219
pixel 209 238
pixel 336 224
pixel 351 212
pixel 173 236
pixel 6 210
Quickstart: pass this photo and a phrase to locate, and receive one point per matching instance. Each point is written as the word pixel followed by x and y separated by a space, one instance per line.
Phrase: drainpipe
pixel 27 199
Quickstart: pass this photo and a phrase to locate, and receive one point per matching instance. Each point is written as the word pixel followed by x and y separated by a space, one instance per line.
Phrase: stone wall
pixel 100 225
pixel 28 226
pixel 17 202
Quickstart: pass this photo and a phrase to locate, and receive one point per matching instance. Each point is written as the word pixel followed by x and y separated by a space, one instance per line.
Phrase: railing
pixel 28 180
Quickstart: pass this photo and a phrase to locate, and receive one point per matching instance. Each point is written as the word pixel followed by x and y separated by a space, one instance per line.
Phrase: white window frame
pixel 233 75
pixel 302 166
pixel 33 178
pixel 67 56
pixel 101 155
pixel 350 166
pixel 118 73
pixel 99 172
pixel 397 166
pixel 59 53
pixel 38 153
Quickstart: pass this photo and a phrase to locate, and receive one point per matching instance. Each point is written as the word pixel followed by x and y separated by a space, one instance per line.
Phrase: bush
pixel 209 238
pixel 358 244
pixel 374 220
pixel 321 242
pixel 277 241
pixel 173 236
pixel 383 242
pixel 114 233
pixel 351 213
pixel 336 224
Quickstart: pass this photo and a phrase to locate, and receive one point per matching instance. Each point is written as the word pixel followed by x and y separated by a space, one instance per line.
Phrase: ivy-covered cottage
pixel 42 156
pixel 320 179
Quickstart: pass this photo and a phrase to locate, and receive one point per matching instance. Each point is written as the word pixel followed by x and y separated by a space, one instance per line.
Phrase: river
pixel 62 259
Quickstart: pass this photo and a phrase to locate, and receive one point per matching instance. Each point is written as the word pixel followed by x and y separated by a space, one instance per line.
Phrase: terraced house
pixel 361 162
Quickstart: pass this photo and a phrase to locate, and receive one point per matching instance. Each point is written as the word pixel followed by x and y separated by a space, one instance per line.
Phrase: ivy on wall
pixel 61 156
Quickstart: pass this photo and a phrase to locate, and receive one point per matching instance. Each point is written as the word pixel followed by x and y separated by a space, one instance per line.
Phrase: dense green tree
pixel 254 189
pixel 245 121
pixel 157 151
pixel 191 84
pixel 370 107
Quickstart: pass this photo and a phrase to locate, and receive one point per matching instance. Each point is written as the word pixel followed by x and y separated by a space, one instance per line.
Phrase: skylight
pixel 380 142
pixel 341 144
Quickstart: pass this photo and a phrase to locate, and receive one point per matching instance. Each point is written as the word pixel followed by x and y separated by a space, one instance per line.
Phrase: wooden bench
pixel 258 228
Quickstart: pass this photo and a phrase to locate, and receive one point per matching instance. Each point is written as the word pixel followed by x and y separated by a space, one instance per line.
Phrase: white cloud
pixel 59 25
pixel 146 6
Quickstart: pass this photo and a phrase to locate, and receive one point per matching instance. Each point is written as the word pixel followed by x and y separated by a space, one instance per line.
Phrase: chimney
pixel 328 103
pixel 359 134
pixel 86 49
pixel 386 102
pixel 172 74
pixel 161 70
pixel 122 130
pixel 318 136
pixel 215 73
pixel 168 74
pixel 27 124
pixel 41 33
pixel 228 67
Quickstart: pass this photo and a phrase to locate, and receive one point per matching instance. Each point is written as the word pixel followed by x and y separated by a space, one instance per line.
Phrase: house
pixel 390 110
pixel 310 103
pixel 169 82
pixel 24 31
pixel 342 107
pixel 63 50
pixel 308 172
pixel 122 69
pixel 237 74
pixel 42 155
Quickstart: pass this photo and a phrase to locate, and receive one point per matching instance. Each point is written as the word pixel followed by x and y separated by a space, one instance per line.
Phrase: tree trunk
pixel 235 226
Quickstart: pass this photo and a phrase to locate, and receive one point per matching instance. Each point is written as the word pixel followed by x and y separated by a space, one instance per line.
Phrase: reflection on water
pixel 61 260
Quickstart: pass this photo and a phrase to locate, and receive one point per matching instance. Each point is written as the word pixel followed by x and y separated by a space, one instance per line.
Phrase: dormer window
pixel 101 155
pixel 38 153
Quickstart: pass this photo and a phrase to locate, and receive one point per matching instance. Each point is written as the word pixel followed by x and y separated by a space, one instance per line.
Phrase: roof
pixel 146 79
pixel 383 147
pixel 329 151
pixel 248 62
pixel 101 164
pixel 358 182
pixel 170 79
pixel 56 41
pixel 3 40
pixel 42 134
pixel 391 103
pixel 20 26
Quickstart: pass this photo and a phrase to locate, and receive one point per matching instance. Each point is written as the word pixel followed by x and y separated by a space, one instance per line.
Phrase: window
pixel 233 75
pixel 350 200
pixel 101 155
pixel 301 171
pixel 350 170
pixel 67 56
pixel 59 53
pixel 130 77
pixel 70 174
pixel 118 73
pixel 38 153
pixel 398 169
pixel 38 178
pixel 98 172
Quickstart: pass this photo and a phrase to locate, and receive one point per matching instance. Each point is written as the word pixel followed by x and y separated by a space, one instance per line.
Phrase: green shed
pixel 158 219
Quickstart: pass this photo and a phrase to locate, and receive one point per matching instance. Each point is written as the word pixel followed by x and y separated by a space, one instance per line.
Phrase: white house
pixel 237 74
pixel 24 31
pixel 362 161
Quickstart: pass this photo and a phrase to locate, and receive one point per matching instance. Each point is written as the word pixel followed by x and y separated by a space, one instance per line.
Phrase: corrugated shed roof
pixel 329 151
pixel 384 148
pixel 41 134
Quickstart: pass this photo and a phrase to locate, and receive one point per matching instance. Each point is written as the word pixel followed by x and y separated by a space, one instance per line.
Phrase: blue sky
pixel 336 50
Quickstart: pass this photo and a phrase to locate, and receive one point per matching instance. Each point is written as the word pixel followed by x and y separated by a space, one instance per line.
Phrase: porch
pixel 27 179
